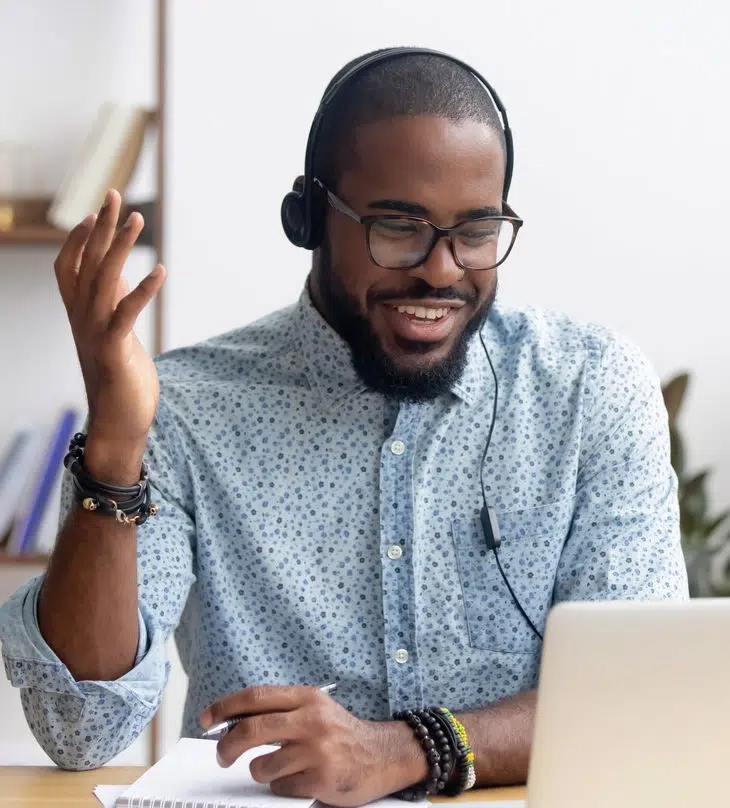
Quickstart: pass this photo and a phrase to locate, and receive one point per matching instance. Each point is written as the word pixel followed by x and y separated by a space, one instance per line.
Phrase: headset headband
pixel 306 193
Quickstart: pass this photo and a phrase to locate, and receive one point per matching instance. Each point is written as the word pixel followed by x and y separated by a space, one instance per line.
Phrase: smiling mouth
pixel 411 322
pixel 422 312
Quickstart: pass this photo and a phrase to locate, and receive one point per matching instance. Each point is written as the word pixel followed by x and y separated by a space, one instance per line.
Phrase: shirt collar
pixel 328 360
pixel 327 357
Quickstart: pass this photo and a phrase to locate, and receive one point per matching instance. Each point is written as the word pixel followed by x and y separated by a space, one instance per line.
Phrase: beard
pixel 377 369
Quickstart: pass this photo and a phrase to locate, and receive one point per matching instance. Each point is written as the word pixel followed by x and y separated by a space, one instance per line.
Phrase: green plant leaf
pixel 710 527
pixel 673 392
pixel 693 504
pixel 703 544
pixel 676 445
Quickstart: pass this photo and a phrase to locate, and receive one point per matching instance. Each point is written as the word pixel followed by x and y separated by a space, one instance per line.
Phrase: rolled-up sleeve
pixel 84 724
pixel 624 541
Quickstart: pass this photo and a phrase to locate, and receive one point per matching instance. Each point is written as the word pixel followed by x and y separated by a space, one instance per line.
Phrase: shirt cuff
pixel 30 661
pixel 30 622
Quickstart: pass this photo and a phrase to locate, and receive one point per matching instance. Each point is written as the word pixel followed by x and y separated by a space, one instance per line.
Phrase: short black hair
pixel 414 84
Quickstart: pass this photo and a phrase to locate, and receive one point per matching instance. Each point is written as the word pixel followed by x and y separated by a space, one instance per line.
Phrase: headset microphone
pixel 488 515
pixel 490 527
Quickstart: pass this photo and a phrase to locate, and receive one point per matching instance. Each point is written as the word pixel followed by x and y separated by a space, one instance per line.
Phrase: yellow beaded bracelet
pixel 471 777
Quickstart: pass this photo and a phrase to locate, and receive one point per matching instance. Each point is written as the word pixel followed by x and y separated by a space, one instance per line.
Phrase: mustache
pixel 420 290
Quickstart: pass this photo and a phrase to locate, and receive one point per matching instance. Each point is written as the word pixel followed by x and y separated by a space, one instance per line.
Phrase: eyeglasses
pixel 405 242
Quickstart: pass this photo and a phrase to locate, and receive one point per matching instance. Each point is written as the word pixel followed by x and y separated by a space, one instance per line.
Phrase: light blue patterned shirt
pixel 313 530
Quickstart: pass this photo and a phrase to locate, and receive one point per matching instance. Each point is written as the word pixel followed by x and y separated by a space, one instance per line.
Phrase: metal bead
pixel 89 504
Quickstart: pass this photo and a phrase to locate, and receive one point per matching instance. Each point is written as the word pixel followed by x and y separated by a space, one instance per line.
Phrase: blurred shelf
pixel 38 233
pixel 32 235
pixel 27 559
pixel 30 227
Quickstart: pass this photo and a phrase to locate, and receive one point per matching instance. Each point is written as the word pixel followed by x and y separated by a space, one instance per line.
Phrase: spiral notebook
pixel 189 777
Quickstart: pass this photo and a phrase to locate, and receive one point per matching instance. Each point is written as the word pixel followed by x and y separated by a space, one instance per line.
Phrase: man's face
pixel 425 166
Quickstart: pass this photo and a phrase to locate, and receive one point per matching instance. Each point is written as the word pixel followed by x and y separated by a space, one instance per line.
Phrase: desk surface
pixel 47 786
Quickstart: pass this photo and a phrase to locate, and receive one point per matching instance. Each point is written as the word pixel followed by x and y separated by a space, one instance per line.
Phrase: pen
pixel 217 731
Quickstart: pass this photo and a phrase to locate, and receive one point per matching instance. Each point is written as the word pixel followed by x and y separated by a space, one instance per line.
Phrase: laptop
pixel 633 706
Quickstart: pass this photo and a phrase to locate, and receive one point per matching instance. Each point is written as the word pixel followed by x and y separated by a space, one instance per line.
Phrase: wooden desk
pixel 47 786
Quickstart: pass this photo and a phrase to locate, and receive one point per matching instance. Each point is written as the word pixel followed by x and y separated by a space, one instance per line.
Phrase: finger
pixel 99 241
pixel 257 699
pixel 302 784
pixel 121 291
pixel 67 262
pixel 128 309
pixel 285 762
pixel 103 286
pixel 257 730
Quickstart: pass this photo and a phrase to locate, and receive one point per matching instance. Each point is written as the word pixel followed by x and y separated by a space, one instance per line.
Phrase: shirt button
pixel 401 655
pixel 397 447
pixel 395 551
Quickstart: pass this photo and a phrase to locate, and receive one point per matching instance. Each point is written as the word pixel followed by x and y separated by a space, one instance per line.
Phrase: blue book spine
pixel 51 466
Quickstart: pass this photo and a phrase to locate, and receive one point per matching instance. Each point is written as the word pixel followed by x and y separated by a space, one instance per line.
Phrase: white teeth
pixel 422 312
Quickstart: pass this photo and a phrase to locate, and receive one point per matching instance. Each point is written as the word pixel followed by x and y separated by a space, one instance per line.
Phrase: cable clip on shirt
pixel 128 504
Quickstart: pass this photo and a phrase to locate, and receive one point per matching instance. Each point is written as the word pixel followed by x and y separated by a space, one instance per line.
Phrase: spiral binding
pixel 139 801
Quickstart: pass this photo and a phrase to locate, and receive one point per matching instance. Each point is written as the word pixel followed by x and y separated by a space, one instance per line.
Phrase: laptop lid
pixel 633 707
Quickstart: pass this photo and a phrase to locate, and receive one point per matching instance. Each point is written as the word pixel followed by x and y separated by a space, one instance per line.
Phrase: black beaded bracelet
pixel 437 747
pixel 453 788
pixel 129 504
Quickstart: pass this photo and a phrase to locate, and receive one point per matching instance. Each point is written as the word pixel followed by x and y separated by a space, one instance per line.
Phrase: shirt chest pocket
pixel 532 540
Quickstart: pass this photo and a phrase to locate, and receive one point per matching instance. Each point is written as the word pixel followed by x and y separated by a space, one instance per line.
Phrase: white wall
pixel 619 117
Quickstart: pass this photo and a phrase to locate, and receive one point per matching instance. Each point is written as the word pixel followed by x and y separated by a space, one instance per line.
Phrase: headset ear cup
pixel 292 218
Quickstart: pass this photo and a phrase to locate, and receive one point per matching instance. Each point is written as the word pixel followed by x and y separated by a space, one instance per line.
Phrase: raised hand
pixel 121 380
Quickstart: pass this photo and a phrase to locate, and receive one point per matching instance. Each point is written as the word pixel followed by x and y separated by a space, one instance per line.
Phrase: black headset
pixel 303 209
pixel 303 215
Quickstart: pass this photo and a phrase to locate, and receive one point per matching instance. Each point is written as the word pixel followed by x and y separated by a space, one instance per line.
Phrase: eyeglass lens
pixel 399 243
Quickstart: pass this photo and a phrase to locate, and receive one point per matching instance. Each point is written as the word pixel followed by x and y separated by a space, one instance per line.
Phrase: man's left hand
pixel 326 753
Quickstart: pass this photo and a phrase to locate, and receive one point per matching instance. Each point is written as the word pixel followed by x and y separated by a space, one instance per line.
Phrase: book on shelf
pixel 16 468
pixel 107 159
pixel 36 510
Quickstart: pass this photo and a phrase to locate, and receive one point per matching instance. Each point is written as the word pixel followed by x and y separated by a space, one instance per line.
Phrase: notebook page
pixel 190 774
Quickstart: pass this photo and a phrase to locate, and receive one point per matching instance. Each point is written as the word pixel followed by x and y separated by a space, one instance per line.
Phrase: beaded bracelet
pixel 437 747
pixel 467 773
pixel 128 504
pixel 454 787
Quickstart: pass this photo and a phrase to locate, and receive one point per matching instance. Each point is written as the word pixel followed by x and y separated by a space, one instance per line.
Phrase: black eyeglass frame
pixel 438 232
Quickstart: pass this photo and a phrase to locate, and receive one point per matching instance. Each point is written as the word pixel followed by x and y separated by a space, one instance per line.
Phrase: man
pixel 322 474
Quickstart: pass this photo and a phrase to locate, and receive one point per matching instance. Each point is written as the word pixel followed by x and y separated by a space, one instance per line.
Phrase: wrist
pixel 113 461
pixel 407 764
